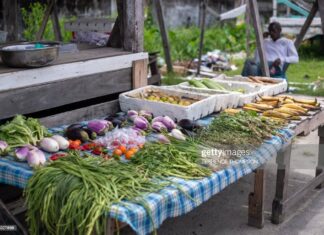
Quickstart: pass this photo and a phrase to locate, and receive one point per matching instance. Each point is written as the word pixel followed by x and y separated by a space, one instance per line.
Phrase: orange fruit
pixel 118 152
pixel 134 149
pixel 123 149
pixel 129 154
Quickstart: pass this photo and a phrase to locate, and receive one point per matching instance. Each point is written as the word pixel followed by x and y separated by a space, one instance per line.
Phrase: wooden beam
pixel 248 29
pixel 321 10
pixel 306 25
pixel 320 161
pixel 10 10
pixel 133 25
pixel 56 24
pixel 202 32
pixel 165 41
pixel 283 165
pixel 139 75
pixel 49 9
pixel 256 200
pixel 259 37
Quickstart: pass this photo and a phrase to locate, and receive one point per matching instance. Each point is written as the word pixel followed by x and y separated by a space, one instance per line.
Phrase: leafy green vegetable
pixel 21 131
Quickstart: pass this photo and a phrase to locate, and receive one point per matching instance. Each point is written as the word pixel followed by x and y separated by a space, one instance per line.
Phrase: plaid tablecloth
pixel 169 202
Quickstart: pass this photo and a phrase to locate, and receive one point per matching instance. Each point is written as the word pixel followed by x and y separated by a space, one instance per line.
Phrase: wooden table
pixel 282 202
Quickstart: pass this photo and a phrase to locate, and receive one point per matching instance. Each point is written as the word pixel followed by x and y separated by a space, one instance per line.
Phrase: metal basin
pixel 29 55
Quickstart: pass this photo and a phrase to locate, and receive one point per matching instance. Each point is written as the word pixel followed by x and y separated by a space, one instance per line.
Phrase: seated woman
pixel 279 52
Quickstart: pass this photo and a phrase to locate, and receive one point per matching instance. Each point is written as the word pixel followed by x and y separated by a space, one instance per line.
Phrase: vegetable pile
pixel 244 130
pixel 211 84
pixel 21 131
pixel 74 193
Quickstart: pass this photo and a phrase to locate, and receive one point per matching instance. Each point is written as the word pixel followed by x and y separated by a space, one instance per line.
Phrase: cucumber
pixel 196 83
pixel 212 84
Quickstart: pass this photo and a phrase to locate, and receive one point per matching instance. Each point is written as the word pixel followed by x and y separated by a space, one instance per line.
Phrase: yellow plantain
pixel 269 98
pixel 259 106
pixel 232 111
pixel 271 113
pixel 288 101
pixel 295 106
pixel 292 112
pixel 310 107
pixel 305 101
pixel 252 109
pixel 286 97
pixel 271 103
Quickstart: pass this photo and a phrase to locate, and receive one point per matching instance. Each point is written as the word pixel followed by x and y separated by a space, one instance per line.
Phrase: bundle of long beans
pixel 72 194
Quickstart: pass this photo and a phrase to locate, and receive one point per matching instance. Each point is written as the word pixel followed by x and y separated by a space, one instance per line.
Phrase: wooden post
pixel 320 162
pixel 321 10
pixel 139 76
pixel 283 164
pixel 133 25
pixel 165 41
pixel 304 28
pixel 274 8
pixel 256 200
pixel 202 32
pixel 56 24
pixel 306 25
pixel 49 9
pixel 259 37
pixel 10 10
pixel 248 29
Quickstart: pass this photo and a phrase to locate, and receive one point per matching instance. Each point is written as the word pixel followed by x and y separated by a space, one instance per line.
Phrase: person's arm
pixel 292 54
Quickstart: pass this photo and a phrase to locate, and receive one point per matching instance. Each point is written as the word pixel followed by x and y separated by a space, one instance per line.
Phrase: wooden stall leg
pixel 139 73
pixel 320 163
pixel 283 164
pixel 256 200
pixel 110 227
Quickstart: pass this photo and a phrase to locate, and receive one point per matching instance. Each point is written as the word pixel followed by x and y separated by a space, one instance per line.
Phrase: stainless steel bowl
pixel 26 55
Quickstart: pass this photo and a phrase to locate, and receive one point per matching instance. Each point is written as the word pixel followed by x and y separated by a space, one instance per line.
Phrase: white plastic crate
pixel 205 106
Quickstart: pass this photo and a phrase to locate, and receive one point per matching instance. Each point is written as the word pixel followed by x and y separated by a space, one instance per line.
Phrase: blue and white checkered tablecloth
pixel 169 202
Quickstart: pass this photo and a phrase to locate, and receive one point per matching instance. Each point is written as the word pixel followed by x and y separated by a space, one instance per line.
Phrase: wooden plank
pixel 248 30
pixel 259 37
pixel 283 168
pixel 164 35
pixel 134 25
pixel 284 21
pixel 49 9
pixel 82 114
pixel 56 24
pixel 321 10
pixel 154 80
pixel 10 18
pixel 298 196
pixel 320 161
pixel 139 74
pixel 306 25
pixel 43 97
pixel 4 210
pixel 202 32
pixel 256 200
pixel 35 77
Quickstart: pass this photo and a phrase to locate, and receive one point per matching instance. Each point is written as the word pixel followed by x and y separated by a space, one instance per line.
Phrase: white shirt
pixel 283 48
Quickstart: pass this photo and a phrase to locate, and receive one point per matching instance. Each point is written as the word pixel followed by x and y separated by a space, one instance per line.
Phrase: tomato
pixel 122 148
pixel 129 154
pixel 118 152
pixel 78 142
pixel 57 156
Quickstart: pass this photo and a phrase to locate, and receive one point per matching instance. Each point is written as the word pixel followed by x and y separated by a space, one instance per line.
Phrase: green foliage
pixel 184 42
pixel 33 17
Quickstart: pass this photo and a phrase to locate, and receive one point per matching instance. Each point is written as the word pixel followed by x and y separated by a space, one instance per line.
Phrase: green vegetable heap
pixel 242 130
pixel 21 131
